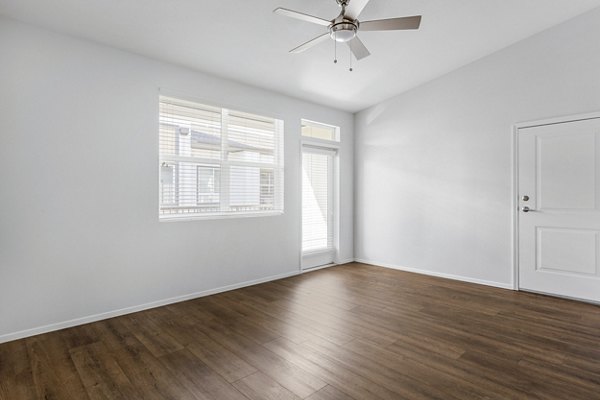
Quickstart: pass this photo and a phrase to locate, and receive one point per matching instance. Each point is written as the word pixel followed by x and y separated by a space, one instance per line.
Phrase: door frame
pixel 515 179
pixel 334 147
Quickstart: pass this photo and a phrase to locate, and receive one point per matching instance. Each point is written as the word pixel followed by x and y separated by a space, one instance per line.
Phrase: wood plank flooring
pixel 349 332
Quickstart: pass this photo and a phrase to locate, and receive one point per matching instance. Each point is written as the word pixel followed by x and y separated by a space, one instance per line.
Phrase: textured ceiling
pixel 244 41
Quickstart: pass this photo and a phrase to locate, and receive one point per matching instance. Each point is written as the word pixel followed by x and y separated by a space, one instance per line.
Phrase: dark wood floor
pixel 349 332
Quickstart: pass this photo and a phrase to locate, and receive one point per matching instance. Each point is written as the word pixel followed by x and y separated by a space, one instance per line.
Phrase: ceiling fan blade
pixel 392 24
pixel 310 43
pixel 301 16
pixel 358 48
pixel 355 7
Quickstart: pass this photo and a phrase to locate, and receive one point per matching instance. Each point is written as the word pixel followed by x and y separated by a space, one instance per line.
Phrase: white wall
pixel 79 229
pixel 433 165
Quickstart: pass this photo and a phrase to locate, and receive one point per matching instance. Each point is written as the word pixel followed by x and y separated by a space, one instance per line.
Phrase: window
pixel 215 161
pixel 317 130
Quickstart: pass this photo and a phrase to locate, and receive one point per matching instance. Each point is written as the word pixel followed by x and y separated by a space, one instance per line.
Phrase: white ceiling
pixel 244 41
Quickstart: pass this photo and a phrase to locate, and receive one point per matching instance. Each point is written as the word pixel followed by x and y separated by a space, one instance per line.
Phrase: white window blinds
pixel 317 130
pixel 215 161
pixel 317 196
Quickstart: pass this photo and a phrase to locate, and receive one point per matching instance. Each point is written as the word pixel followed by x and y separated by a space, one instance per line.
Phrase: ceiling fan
pixel 346 25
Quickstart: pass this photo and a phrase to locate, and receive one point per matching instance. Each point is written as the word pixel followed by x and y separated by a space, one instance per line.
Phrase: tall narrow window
pixel 215 161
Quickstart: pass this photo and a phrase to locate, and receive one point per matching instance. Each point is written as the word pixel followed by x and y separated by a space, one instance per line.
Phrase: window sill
pixel 188 218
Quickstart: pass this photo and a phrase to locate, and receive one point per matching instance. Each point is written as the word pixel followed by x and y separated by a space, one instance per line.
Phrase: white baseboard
pixel 438 274
pixel 128 310
pixel 333 264
pixel 305 270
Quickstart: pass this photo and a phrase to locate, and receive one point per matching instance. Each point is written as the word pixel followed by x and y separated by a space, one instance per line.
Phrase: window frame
pixel 224 165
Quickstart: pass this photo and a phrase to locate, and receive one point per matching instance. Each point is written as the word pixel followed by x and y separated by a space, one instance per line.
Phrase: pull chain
pixel 351 61
pixel 335 47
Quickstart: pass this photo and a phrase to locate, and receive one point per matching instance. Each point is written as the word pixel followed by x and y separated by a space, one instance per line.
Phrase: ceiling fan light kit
pixel 345 27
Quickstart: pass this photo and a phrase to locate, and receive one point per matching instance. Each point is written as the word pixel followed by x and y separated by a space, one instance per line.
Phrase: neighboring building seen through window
pixel 215 161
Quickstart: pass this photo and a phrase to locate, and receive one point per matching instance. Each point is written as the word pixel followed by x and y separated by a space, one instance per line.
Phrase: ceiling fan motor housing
pixel 343 31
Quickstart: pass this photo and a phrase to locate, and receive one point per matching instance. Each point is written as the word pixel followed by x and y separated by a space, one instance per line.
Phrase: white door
pixel 559 209
pixel 317 207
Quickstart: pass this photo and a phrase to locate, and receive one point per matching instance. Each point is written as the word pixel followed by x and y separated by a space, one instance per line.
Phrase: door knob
pixel 526 209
